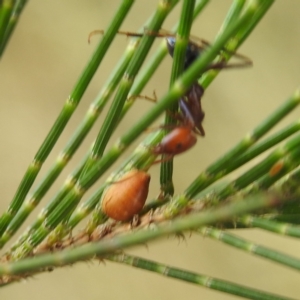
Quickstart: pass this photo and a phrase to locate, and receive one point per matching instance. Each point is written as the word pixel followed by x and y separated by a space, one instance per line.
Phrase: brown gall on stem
pixel 126 197
pixel 276 168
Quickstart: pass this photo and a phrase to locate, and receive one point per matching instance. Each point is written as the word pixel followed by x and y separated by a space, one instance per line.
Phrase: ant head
pixel 192 51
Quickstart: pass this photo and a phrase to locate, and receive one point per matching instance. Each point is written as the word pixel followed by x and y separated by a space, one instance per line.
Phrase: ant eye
pixel 171 41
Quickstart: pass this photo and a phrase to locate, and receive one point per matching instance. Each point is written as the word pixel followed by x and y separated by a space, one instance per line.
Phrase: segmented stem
pixel 196 278
pixel 252 248
pixel 182 40
pixel 7 31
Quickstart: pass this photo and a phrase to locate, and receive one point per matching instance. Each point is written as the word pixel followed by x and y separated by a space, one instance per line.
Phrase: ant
pixel 183 137
pixel 191 115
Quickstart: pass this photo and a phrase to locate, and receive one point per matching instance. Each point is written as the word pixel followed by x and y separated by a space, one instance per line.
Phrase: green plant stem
pixel 13 20
pixel 261 8
pixel 290 219
pixel 6 9
pixel 264 6
pixel 220 214
pixel 64 116
pixel 196 278
pixel 182 40
pixel 245 245
pixel 233 14
pixel 270 225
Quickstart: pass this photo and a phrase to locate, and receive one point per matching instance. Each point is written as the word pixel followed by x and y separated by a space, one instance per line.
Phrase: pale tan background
pixel 44 59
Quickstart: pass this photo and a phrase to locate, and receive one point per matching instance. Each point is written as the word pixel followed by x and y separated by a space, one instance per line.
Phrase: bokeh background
pixel 44 58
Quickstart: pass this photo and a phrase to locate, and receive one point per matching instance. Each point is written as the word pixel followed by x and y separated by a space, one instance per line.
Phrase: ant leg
pixel 133 97
pixel 167 157
pixel 245 61
pixel 224 65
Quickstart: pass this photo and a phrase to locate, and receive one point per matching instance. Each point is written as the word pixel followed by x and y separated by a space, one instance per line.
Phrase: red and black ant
pixel 191 115
pixel 183 137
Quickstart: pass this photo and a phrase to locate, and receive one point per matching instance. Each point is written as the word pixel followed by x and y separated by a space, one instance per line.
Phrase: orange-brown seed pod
pixel 126 197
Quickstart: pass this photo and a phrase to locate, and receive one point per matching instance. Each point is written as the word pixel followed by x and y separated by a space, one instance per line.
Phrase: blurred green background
pixel 38 70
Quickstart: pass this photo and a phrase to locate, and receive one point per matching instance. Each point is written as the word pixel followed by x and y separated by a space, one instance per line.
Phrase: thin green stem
pixel 264 6
pixel 270 225
pixel 182 40
pixel 290 219
pixel 196 278
pixel 252 248
pixel 233 14
pixel 290 183
pixel 260 10
pixel 6 10
pixel 13 20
